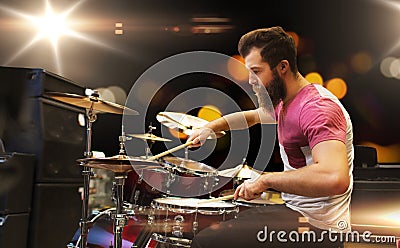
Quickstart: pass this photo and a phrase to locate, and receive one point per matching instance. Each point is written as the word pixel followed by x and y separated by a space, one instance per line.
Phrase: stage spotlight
pixel 52 25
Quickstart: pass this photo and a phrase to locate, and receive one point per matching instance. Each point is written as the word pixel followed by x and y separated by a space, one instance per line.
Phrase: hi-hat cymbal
pixel 184 123
pixel 119 163
pixel 94 102
pixel 148 136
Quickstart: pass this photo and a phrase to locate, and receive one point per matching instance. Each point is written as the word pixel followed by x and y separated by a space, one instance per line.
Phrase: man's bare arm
pixel 329 175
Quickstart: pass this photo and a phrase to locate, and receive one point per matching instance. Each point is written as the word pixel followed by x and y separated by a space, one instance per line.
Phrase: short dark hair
pixel 275 44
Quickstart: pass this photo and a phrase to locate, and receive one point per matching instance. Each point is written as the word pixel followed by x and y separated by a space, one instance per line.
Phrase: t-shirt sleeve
pixel 323 120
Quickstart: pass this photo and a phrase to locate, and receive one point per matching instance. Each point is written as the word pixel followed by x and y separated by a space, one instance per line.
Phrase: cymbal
pixel 247 172
pixel 88 102
pixel 148 136
pixel 188 165
pixel 184 123
pixel 119 163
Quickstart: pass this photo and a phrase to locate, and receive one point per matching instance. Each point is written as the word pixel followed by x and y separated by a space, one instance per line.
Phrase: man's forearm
pixel 308 181
pixel 235 121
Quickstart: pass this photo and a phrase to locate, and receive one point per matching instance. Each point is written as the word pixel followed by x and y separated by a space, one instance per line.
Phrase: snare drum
pixel 268 197
pixel 192 178
pixel 177 220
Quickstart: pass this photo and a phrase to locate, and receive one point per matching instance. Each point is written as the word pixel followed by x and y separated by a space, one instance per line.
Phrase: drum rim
pixel 205 210
pixel 171 240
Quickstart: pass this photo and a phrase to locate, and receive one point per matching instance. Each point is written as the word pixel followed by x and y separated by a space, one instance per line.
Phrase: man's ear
pixel 284 66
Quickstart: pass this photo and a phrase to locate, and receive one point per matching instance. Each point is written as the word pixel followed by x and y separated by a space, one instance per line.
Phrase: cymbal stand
pixel 120 218
pixel 122 139
pixel 87 173
pixel 149 143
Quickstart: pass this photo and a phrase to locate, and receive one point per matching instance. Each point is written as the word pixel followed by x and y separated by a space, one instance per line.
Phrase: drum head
pixel 266 198
pixel 190 204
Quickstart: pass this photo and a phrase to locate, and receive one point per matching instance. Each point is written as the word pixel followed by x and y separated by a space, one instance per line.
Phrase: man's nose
pixel 252 80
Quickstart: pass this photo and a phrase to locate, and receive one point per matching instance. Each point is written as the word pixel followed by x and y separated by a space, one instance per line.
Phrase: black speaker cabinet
pixel 55 132
pixel 52 131
pixel 55 214
pixel 14 230
pixel 34 82
pixel 16 177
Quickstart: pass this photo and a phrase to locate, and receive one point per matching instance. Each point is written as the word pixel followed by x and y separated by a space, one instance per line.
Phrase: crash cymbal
pixel 188 166
pixel 94 102
pixel 148 136
pixel 184 123
pixel 119 163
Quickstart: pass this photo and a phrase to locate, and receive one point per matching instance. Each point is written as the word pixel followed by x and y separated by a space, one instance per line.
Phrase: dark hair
pixel 275 44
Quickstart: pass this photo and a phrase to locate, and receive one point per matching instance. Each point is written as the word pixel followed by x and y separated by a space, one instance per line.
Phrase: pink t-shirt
pixel 313 116
pixel 307 120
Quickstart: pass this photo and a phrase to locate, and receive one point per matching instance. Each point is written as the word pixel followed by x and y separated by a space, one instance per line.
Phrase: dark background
pixel 331 33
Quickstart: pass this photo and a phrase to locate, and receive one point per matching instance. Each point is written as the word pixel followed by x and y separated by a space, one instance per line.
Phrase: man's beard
pixel 275 91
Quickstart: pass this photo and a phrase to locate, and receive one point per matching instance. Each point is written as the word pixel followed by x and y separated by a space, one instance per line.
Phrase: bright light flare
pixel 393 4
pixel 52 26
pixel 395 216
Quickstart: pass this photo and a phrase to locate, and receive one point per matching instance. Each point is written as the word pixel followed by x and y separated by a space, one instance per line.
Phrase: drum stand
pixel 86 173
pixel 120 218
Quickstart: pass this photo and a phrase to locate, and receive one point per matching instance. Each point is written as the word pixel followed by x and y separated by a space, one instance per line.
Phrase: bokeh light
pixel 177 134
pixel 209 113
pixel 106 94
pixel 315 78
pixel 395 68
pixel 119 94
pixel 361 62
pixel 237 70
pixel 337 86
pixel 295 37
pixel 390 67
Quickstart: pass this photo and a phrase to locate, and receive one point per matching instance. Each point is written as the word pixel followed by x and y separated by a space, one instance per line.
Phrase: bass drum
pixel 135 233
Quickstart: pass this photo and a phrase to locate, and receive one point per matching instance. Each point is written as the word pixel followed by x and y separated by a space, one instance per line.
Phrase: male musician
pixel 315 140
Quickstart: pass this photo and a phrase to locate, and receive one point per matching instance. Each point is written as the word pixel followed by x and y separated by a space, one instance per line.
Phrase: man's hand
pixel 250 189
pixel 199 136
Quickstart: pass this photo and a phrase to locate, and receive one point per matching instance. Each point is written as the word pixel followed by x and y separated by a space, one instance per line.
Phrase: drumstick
pixel 169 151
pixel 222 198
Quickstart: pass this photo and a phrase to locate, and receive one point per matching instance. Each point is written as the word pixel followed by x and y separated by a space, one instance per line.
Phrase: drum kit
pixel 171 220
